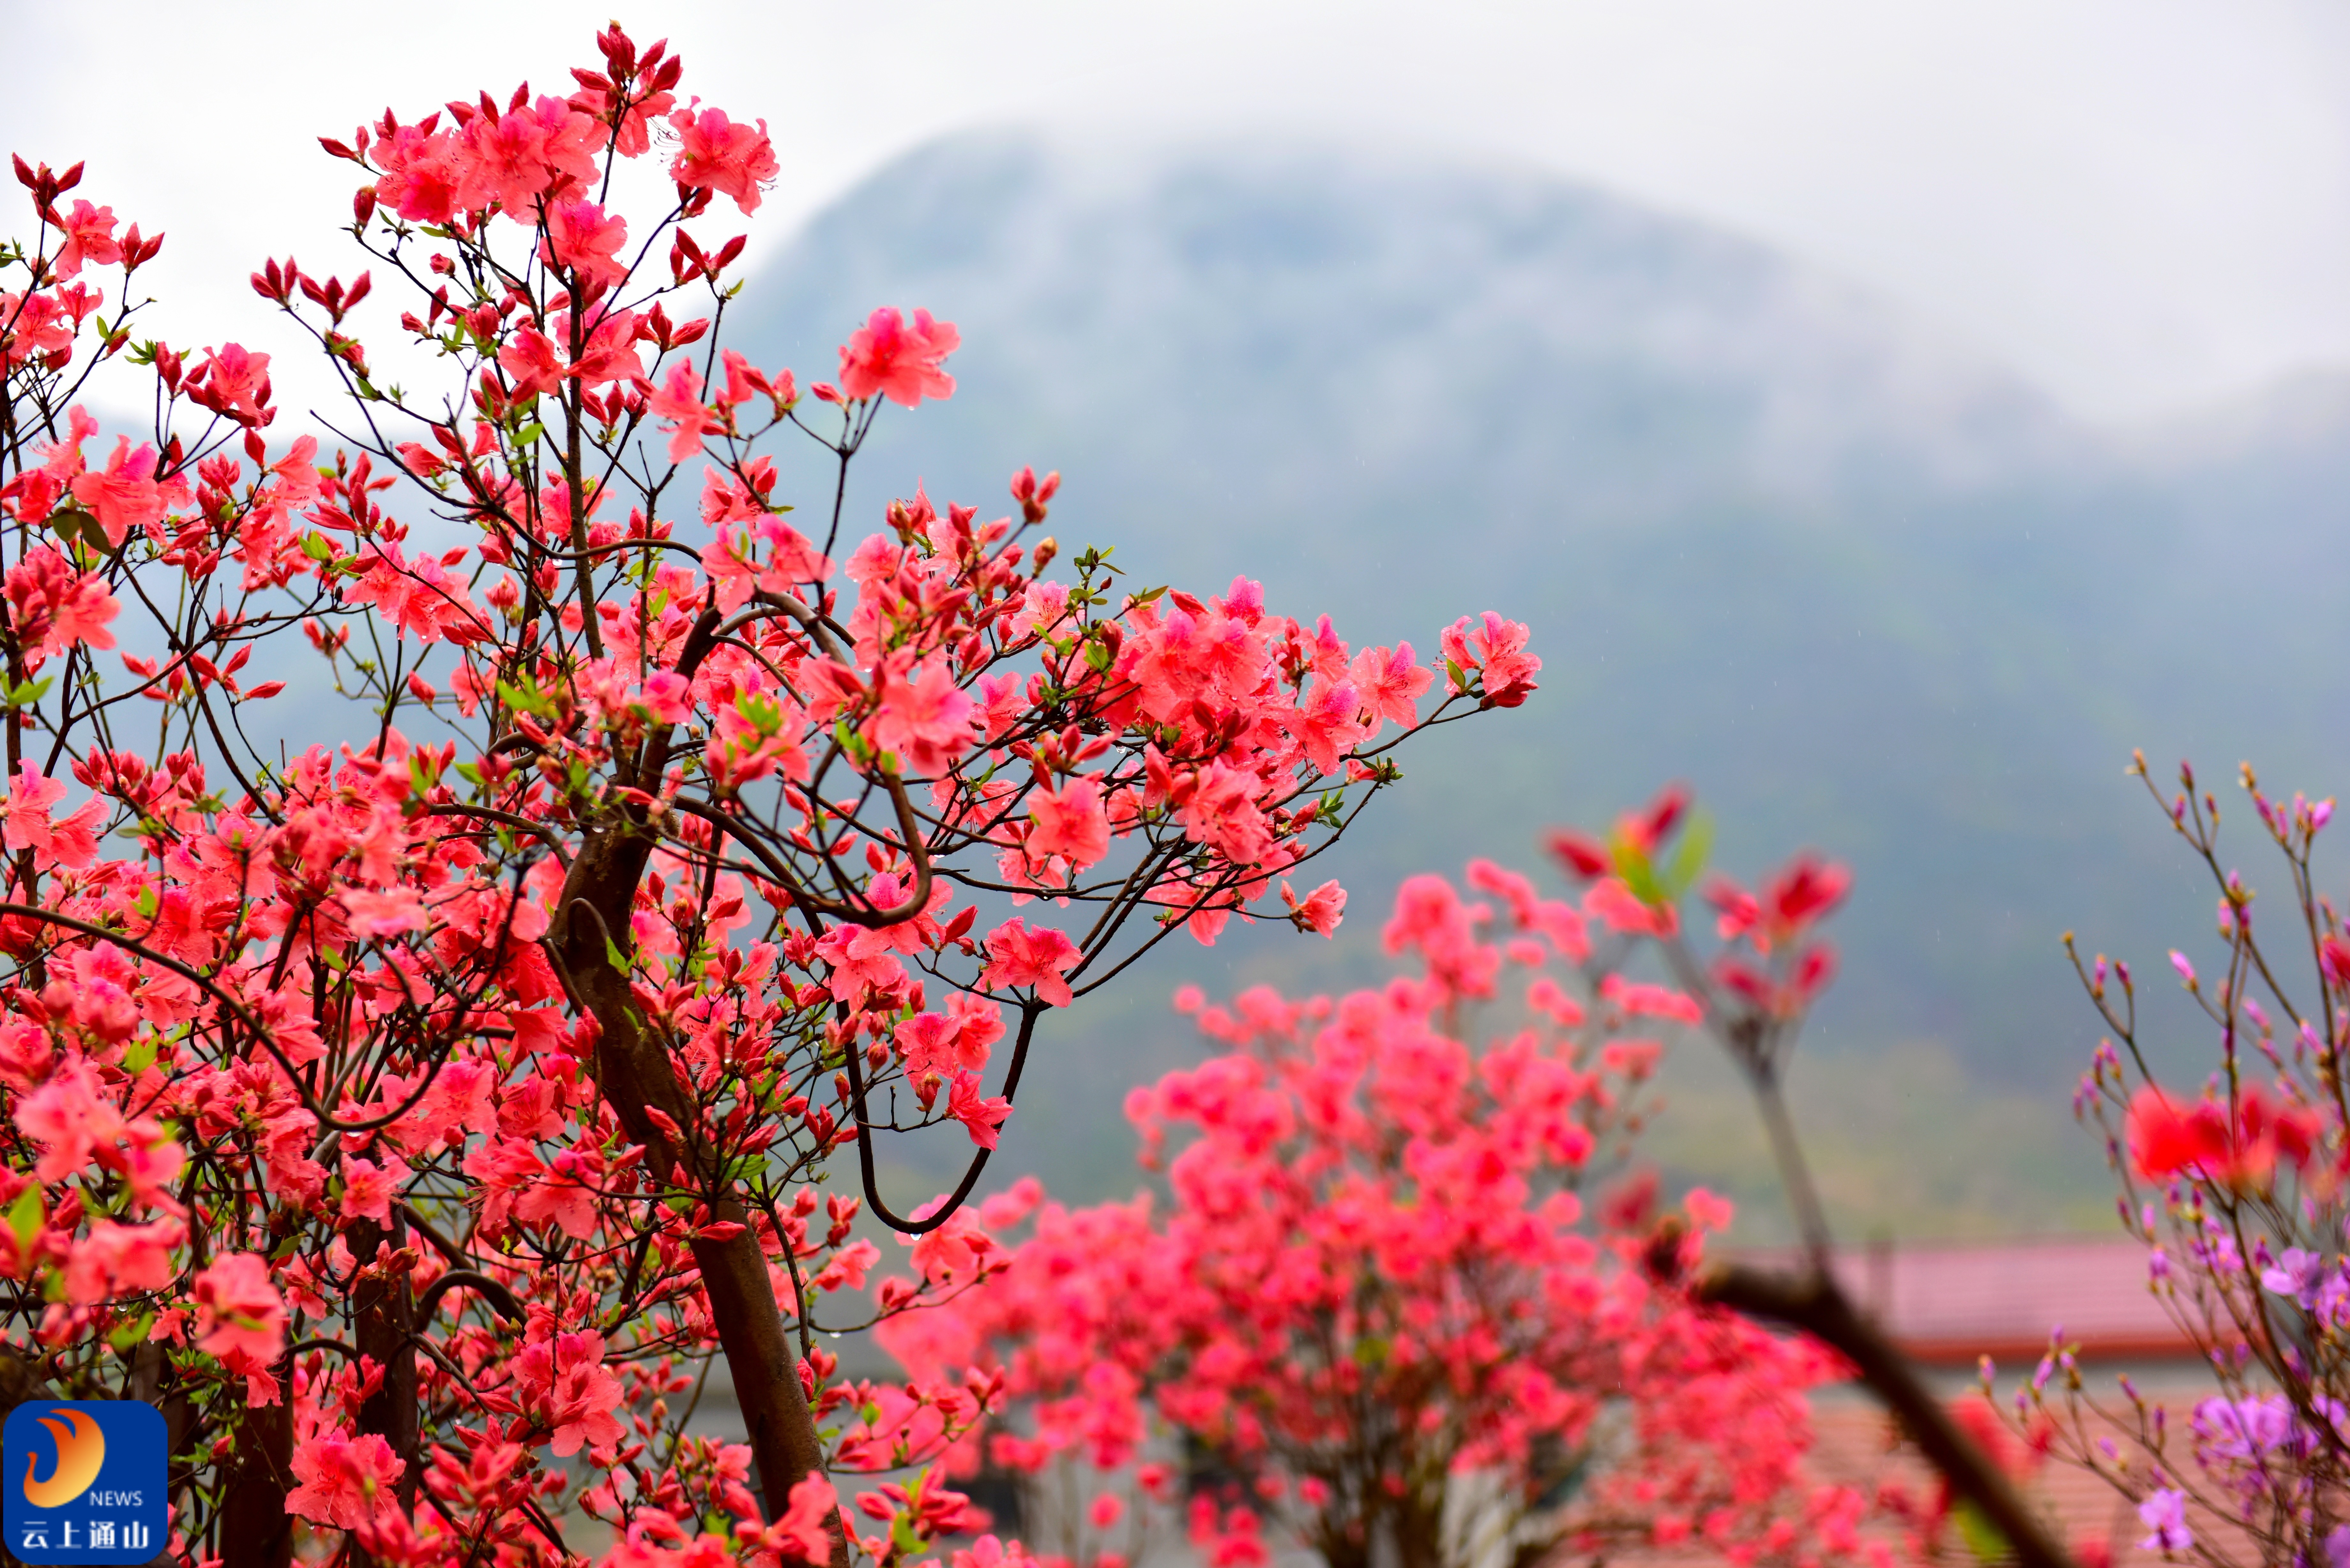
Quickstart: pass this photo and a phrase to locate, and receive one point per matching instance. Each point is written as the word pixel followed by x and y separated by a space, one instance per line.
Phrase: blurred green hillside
pixel 1864 593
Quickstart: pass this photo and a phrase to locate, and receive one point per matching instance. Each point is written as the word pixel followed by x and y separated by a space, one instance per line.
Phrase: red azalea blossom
pixel 891 358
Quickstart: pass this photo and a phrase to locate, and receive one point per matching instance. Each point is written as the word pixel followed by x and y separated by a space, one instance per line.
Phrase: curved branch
pixel 538 830
pixel 808 901
pixel 303 1346
pixel 854 1054
pixel 496 1295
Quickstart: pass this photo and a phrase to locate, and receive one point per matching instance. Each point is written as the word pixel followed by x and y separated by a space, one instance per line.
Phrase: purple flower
pixel 2332 1299
pixel 2165 1513
pixel 2247 1429
pixel 2299 1274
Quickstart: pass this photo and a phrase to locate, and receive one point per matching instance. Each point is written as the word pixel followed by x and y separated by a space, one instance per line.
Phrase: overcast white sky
pixel 2142 204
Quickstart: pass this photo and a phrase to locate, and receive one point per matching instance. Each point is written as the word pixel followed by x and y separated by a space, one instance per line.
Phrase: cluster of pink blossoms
pixel 1379 1299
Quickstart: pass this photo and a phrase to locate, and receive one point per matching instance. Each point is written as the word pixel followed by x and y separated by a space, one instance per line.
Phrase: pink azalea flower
pixel 89 237
pixel 72 841
pixel 370 1188
pixel 346 1482
pixel 564 1195
pixel 125 495
pixel 1389 682
pixel 1497 648
pixel 419 173
pixel 955 1250
pixel 1324 722
pixel 531 362
pixel 981 1118
pixel 561 1383
pixel 667 696
pixel 238 379
pixel 801 1533
pixel 1070 824
pixel 386 913
pixel 514 157
pixel 926 1044
pixel 115 1259
pixel 924 717
pixel 238 1311
pixel 679 399
pixel 634 136
pixel 582 236
pixel 717 153
pixel 32 324
pixel 938 1045
pixel 1639 999
pixel 610 353
pixel 888 358
pixel 1321 910
pixel 988 1551
pixel 1707 1211
pixel 1020 955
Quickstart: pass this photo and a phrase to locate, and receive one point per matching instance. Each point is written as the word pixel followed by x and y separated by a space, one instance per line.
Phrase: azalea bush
pixel 2232 1178
pixel 423 1116
pixel 1382 1310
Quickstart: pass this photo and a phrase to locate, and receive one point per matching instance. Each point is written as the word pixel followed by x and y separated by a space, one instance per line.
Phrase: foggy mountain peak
pixel 1232 303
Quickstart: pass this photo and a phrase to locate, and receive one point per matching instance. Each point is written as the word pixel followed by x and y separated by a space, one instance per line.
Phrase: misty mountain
pixel 1863 591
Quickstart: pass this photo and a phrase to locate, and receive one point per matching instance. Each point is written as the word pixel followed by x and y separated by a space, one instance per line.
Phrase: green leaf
pixel 525 699
pixel 1689 857
pixel 1639 873
pixel 70 522
pixel 130 1334
pixel 25 1215
pixel 140 1057
pixel 28 693
pixel 1982 1536
pixel 317 546
pixel 146 904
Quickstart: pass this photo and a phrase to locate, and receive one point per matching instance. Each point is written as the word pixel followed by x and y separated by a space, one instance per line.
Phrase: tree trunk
pixel 253 1529
pixel 382 1314
pixel 633 1071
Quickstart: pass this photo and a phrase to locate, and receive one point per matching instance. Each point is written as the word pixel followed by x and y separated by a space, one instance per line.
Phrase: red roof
pixel 1950 1305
